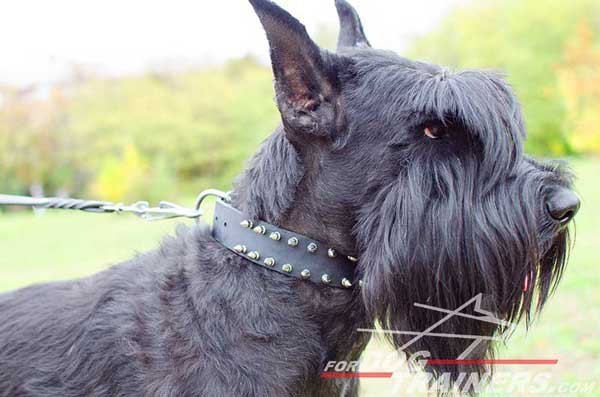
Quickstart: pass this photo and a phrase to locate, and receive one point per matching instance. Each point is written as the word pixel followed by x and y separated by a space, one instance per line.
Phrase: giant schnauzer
pixel 390 182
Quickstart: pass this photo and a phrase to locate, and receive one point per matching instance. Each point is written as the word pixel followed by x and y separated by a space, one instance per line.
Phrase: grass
pixel 61 245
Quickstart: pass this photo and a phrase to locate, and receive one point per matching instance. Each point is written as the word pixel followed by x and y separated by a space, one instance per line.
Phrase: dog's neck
pixel 281 187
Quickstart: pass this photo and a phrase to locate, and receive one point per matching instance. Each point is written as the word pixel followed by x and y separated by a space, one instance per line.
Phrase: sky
pixel 42 41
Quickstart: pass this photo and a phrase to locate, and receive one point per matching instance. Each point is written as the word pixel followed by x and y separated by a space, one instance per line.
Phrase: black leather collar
pixel 281 250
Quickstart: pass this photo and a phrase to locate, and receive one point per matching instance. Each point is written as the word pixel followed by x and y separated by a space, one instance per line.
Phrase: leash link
pixel 142 209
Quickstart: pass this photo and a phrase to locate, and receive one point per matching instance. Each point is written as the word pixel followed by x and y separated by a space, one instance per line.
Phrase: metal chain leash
pixel 164 210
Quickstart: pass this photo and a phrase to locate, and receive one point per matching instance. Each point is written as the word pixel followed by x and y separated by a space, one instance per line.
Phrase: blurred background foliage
pixel 150 137
pixel 550 52
pixel 165 134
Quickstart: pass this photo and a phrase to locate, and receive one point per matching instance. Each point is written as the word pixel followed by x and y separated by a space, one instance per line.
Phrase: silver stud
pixel 312 248
pixel 269 262
pixel 287 268
pixel 246 223
pixel 360 283
pixel 275 236
pixel 331 253
pixel 240 249
pixel 352 258
pixel 293 242
pixel 305 274
pixel 346 283
pixel 260 229
pixel 325 279
pixel 254 255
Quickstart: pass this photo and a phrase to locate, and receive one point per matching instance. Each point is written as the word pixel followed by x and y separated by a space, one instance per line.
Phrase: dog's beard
pixel 427 241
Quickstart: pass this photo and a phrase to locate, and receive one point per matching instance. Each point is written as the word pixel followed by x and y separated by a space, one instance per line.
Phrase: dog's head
pixel 421 173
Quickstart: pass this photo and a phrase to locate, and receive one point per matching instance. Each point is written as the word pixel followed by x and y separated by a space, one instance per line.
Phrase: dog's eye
pixel 433 132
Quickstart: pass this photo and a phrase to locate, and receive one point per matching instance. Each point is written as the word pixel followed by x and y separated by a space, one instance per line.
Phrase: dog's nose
pixel 563 204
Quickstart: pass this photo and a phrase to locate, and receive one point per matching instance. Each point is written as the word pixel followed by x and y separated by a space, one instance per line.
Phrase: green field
pixel 59 245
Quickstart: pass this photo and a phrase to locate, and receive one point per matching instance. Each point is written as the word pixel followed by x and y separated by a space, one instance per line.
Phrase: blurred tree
pixel 118 177
pixel 33 153
pixel 579 84
pixel 525 39
pixel 137 138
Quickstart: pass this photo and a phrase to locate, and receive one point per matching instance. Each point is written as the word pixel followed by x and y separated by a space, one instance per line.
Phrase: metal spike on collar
pixel 275 236
pixel 260 229
pixel 311 262
pixel 352 258
pixel 269 262
pixel 246 223
pixel 240 249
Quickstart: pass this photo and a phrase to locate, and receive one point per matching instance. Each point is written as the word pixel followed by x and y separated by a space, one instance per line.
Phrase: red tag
pixel 526 282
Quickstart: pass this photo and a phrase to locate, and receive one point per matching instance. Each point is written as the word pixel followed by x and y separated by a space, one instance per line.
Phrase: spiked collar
pixel 281 250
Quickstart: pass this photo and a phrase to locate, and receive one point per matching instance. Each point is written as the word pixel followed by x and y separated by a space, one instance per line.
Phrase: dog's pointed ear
pixel 305 75
pixel 351 29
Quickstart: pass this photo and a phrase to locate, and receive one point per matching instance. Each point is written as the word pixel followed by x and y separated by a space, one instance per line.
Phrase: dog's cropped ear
pixel 351 30
pixel 305 75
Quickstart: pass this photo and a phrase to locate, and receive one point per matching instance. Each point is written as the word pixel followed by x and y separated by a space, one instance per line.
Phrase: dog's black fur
pixel 354 165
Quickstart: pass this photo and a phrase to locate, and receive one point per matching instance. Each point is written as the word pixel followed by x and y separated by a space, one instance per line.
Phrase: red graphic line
pixel 494 362
pixel 334 374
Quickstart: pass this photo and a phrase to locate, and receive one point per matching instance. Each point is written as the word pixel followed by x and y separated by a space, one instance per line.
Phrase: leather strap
pixel 280 250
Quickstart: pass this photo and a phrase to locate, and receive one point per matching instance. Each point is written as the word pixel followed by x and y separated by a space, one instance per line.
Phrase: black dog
pixel 417 172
